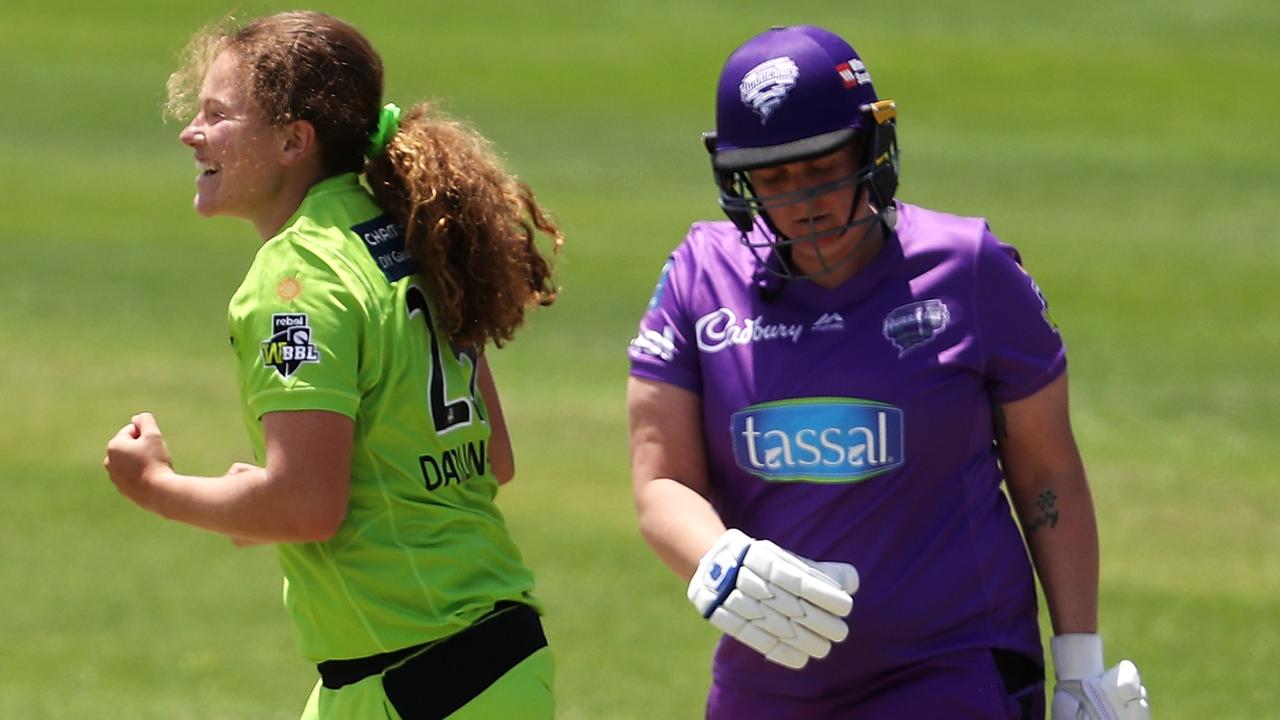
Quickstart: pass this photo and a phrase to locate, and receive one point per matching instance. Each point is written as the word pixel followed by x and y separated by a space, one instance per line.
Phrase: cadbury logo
pixel 720 328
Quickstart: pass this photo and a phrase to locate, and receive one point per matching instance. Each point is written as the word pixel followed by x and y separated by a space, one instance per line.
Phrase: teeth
pixel 206 168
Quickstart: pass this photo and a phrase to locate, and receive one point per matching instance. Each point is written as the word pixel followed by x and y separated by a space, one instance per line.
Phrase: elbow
pixel 503 465
pixel 320 524
pixel 649 520
pixel 649 532
pixel 504 473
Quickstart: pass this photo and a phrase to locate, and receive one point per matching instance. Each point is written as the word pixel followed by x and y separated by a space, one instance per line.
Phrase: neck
pixel 272 218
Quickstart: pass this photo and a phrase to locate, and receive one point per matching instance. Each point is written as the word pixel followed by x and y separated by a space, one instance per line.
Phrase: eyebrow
pixel 213 100
pixel 770 170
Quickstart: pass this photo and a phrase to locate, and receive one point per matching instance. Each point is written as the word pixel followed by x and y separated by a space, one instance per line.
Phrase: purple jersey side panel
pixel 854 424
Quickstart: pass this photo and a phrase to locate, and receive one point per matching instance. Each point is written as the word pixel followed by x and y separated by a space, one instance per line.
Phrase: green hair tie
pixel 388 124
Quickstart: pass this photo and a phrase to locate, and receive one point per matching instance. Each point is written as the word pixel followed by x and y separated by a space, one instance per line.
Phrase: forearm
pixel 677 522
pixel 1061 531
pixel 501 455
pixel 245 505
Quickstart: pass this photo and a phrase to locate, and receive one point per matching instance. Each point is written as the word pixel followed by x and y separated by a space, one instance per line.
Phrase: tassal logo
pixel 818 440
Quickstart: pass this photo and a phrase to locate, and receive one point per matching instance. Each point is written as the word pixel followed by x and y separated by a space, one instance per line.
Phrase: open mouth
pixel 207 169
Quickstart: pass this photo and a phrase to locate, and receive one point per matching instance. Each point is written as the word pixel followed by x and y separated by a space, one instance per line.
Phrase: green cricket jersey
pixel 330 317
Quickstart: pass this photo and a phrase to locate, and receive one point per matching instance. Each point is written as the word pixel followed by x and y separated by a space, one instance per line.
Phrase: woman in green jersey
pixel 396 249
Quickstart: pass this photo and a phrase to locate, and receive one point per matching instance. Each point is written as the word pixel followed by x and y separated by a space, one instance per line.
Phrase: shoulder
pixel 715 248
pixel 311 268
pixel 922 229
pixel 340 236
pixel 709 238
pixel 940 237
pixel 302 249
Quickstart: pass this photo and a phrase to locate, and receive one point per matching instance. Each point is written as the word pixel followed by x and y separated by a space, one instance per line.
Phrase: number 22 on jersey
pixel 446 412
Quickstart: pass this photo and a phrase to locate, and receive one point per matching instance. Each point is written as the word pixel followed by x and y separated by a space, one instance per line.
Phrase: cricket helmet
pixel 791 94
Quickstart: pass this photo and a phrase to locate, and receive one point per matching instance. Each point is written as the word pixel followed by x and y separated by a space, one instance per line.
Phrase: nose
pixel 191 135
pixel 815 201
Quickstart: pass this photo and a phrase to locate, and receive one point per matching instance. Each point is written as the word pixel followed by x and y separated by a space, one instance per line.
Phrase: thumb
pixel 128 432
pixel 1123 684
pixel 146 424
pixel 844 574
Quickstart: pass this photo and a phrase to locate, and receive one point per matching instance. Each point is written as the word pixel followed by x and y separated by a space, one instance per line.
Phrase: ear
pixel 297 142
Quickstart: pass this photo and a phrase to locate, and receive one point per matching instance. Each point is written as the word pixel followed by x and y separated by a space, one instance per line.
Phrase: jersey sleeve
pixel 663 347
pixel 296 325
pixel 1022 350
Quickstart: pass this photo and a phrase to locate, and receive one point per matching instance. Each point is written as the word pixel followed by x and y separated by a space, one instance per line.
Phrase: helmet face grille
pixel 875 180
pixel 762 236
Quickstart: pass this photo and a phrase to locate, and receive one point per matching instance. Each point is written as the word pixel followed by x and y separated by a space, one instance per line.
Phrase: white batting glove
pixel 784 607
pixel 1085 692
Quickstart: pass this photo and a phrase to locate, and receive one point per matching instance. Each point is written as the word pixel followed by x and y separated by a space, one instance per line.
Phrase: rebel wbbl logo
pixel 289 345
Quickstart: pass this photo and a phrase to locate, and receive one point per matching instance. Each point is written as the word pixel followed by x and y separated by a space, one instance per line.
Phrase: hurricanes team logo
pixel 766 85
pixel 915 324
pixel 289 345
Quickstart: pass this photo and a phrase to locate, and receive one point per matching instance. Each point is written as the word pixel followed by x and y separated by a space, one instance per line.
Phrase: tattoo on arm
pixel 1047 503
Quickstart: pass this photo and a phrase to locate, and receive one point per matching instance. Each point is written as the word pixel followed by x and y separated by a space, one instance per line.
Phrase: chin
pixel 830 242
pixel 830 255
pixel 205 206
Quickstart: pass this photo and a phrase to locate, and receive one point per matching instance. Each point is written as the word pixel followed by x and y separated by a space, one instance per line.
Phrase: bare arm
pixel 501 457
pixel 1046 480
pixel 669 474
pixel 300 496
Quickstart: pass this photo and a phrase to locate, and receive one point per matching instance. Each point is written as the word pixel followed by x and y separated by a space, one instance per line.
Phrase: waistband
pixel 470 660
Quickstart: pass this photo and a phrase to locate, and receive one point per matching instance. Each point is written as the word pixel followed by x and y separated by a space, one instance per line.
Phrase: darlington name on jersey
pixel 454 465
pixel 821 440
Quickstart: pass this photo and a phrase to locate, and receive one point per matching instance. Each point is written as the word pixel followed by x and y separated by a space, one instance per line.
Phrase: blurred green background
pixel 1130 150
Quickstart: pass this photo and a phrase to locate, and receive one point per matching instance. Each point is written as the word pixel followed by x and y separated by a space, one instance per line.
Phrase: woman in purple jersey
pixel 828 391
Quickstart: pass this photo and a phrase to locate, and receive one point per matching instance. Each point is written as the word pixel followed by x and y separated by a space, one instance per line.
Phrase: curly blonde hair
pixel 471 226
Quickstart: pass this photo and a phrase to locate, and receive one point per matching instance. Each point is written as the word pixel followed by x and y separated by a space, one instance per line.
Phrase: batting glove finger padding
pixel 1085 692
pixel 777 624
pixel 785 607
pixel 802 578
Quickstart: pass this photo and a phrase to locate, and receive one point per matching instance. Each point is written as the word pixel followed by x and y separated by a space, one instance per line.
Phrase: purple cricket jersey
pixel 854 424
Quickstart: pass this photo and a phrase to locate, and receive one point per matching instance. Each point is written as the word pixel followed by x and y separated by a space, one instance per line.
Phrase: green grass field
pixel 1130 152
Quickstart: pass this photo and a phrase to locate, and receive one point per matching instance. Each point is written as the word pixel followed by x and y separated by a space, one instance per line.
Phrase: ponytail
pixel 470 226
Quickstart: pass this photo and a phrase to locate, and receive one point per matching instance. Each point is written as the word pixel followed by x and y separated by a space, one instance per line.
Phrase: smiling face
pixel 236 150
pixel 818 222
